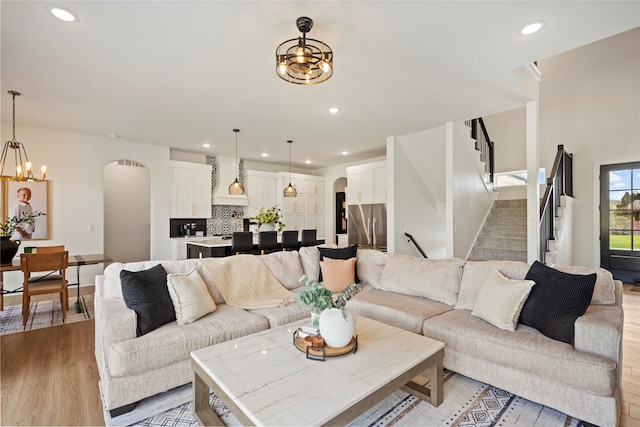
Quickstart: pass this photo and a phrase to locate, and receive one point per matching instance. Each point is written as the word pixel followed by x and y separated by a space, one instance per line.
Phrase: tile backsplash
pixel 224 220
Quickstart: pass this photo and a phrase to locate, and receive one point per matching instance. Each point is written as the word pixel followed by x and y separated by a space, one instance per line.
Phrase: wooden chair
pixel 49 249
pixel 309 238
pixel 267 241
pixel 289 239
pixel 242 242
pixel 44 262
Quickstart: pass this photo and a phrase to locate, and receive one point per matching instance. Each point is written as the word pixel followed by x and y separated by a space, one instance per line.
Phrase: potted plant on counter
pixel 269 219
pixel 328 310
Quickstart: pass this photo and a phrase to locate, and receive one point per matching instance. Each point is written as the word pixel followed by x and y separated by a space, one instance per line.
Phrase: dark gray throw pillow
pixel 556 301
pixel 338 253
pixel 146 293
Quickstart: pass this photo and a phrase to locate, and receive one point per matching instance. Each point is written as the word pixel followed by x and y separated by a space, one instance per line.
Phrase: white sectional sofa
pixel 431 297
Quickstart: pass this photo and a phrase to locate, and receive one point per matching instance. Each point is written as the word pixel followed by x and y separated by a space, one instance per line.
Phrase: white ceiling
pixel 179 73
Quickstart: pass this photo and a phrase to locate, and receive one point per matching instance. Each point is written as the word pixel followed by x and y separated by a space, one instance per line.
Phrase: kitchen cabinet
pixel 367 183
pixel 306 211
pixel 261 191
pixel 190 190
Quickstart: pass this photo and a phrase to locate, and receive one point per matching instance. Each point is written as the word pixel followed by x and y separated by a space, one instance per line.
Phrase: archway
pixel 127 211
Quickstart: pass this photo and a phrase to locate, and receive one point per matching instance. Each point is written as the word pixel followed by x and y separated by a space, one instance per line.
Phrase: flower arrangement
pixel 270 216
pixel 319 298
pixel 8 227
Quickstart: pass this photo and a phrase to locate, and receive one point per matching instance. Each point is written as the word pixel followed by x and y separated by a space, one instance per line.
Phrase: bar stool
pixel 242 242
pixel 309 238
pixel 267 241
pixel 289 239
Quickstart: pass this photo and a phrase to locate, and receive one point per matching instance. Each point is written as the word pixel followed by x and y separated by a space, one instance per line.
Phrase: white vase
pixel 267 227
pixel 335 329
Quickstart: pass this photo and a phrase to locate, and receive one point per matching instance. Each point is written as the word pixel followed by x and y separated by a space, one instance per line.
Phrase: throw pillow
pixel 556 301
pixel 500 300
pixel 190 297
pixel 338 273
pixel 146 293
pixel 338 253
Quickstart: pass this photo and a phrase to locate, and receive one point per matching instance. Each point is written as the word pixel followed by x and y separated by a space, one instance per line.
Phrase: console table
pixel 74 260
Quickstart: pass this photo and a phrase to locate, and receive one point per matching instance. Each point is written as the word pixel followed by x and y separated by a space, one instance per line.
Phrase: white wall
pixel 507 131
pixel 76 171
pixel 590 102
pixel 418 192
pixel 470 199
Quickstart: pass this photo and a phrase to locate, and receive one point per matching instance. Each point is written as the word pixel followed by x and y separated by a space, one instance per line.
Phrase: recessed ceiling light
pixel 114 136
pixel 264 154
pixel 532 27
pixel 334 110
pixel 307 161
pixel 63 14
pixel 206 145
pixel 344 153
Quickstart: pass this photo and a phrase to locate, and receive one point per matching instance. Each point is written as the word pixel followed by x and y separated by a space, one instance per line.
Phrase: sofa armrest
pixel 99 285
pixel 599 332
pixel 114 322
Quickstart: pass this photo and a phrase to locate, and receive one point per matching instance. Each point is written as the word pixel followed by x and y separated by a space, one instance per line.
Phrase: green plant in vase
pixel 319 298
pixel 8 227
pixel 269 216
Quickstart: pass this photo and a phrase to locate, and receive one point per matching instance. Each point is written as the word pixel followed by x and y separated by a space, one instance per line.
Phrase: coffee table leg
pixel 436 383
pixel 202 412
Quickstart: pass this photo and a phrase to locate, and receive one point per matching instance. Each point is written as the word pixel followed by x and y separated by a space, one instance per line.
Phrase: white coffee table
pixel 265 380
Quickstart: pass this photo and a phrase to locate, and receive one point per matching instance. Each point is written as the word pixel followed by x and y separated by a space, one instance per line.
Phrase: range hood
pixel 226 175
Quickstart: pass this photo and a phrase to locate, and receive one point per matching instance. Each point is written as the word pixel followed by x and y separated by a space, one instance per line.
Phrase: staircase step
pixel 501 243
pixel 480 254
pixel 515 203
pixel 509 212
pixel 495 231
pixel 513 222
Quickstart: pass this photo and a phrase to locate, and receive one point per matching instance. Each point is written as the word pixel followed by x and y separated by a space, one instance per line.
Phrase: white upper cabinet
pixel 261 190
pixel 367 183
pixel 306 211
pixel 190 190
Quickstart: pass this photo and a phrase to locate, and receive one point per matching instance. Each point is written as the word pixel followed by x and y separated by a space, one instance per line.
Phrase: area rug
pixel 44 314
pixel 467 403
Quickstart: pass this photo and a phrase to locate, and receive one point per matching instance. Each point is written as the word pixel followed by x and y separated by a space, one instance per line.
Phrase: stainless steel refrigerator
pixel 367 226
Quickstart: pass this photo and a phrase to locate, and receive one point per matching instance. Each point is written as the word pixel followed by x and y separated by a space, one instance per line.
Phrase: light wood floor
pixel 49 376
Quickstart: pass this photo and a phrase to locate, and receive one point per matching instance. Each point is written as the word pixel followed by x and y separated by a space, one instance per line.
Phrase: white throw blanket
pixel 244 281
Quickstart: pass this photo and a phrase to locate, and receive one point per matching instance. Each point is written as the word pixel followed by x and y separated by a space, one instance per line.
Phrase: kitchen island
pixel 220 246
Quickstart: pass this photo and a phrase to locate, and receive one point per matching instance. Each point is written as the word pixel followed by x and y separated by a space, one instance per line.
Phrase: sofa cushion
pixel 172 343
pixel 337 274
pixel 190 297
pixel 338 253
pixel 402 311
pixel 285 266
pixel 556 301
pixel 438 280
pixel 500 300
pixel 310 261
pixel 370 263
pixel 604 290
pixel 525 350
pixel 475 273
pixel 278 316
pixel 146 293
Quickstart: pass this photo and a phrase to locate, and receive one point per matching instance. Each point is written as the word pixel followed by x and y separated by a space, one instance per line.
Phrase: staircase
pixel 504 234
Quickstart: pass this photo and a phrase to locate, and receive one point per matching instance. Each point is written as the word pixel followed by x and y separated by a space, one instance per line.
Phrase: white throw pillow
pixel 500 300
pixel 190 297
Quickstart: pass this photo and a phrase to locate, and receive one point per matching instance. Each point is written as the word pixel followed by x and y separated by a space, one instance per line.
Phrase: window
pixel 624 209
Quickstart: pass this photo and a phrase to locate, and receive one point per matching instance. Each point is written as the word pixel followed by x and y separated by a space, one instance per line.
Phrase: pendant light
pixel 23 167
pixel 236 188
pixel 290 190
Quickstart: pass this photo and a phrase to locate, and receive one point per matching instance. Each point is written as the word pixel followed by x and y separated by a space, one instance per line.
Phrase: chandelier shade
pixel 23 168
pixel 236 188
pixel 290 190
pixel 304 61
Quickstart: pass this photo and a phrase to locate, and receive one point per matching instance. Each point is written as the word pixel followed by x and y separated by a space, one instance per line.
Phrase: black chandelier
pixel 304 61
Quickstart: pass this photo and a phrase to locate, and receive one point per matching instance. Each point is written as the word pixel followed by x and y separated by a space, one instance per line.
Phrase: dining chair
pixel 49 249
pixel 309 238
pixel 267 241
pixel 242 242
pixel 44 262
pixel 289 239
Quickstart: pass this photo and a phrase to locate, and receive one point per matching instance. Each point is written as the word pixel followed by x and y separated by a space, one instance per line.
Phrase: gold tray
pixel 320 353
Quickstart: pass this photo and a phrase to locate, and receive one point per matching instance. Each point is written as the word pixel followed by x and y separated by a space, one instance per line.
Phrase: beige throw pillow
pixel 337 274
pixel 500 300
pixel 190 297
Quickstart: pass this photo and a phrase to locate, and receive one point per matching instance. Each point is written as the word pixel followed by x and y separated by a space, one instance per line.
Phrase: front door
pixel 620 220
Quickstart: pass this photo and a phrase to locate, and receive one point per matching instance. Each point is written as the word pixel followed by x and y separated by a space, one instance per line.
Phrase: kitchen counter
pixel 217 246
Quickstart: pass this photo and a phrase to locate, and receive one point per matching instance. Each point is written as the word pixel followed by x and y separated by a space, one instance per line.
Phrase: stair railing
pixel 559 183
pixel 483 144
pixel 412 240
